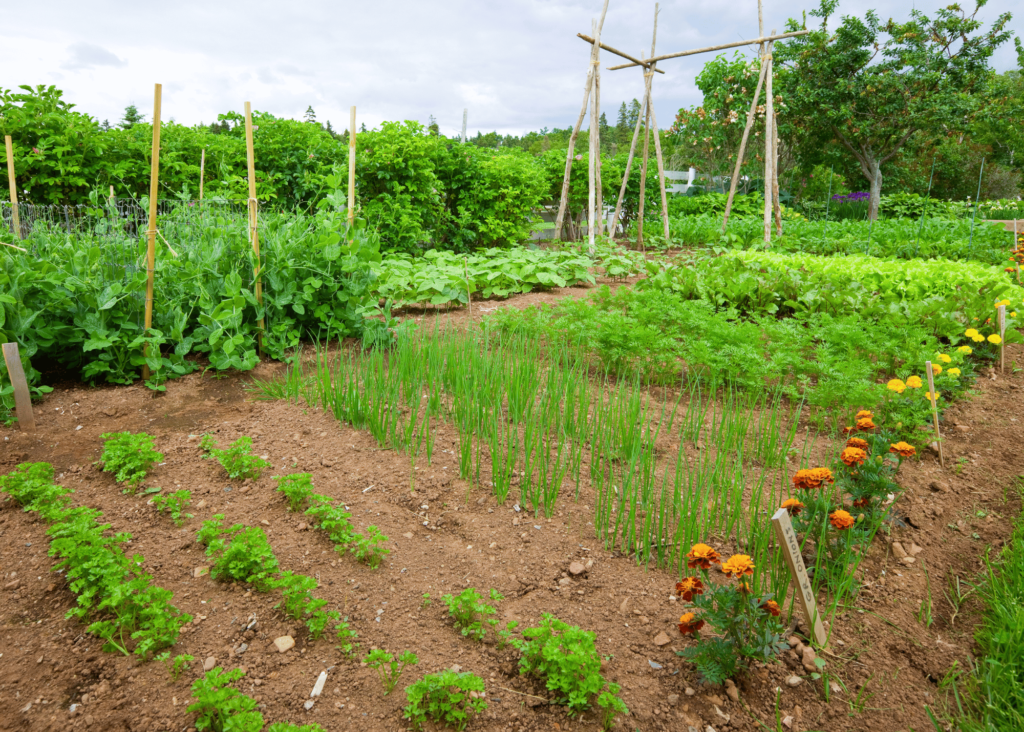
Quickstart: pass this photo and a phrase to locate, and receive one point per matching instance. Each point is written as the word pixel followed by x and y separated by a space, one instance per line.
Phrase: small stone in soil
pixel 794 681
pixel 209 663
pixel 690 691
pixel 284 643
pixel 577 568
pixel 662 639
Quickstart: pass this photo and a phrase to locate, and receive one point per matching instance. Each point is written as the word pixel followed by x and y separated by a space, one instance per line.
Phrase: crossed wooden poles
pixel 592 94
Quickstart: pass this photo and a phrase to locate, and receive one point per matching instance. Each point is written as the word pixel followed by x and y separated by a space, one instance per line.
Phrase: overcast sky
pixel 516 65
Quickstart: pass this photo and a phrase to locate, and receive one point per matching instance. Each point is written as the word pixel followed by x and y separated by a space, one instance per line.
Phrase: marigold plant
pixel 853 456
pixel 914 382
pixel 811 478
pixel 841 519
pixel 738 565
pixel 689 587
pixel 896 385
pixel 793 506
pixel 857 442
pixel 903 449
pixel 702 556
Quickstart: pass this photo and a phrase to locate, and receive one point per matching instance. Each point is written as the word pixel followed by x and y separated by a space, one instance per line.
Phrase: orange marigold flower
pixel 812 478
pixel 865 425
pixel 863 414
pixel 793 506
pixel 841 519
pixel 744 588
pixel 861 502
pixel 903 449
pixel 689 625
pixel 853 456
pixel 738 565
pixel 858 443
pixel 703 556
pixel 771 607
pixel 688 587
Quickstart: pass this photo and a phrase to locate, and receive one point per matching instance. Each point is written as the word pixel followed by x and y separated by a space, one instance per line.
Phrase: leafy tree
pixel 310 115
pixel 870 85
pixel 131 118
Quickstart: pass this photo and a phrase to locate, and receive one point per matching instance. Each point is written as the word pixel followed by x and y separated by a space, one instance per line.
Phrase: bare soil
pixel 446 535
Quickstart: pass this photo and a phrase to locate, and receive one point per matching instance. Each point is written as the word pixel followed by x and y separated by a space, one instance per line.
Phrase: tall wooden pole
pixel 564 199
pixel 643 175
pixel 592 140
pixel 202 173
pixel 775 169
pixel 465 118
pixel 632 150
pixel 352 167
pixel 13 186
pixel 154 191
pixel 768 132
pixel 657 136
pixel 254 235
pixel 598 192
pixel 743 145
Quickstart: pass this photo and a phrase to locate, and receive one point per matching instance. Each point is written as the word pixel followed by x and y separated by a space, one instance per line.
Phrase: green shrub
pixel 237 460
pixel 175 504
pixel 129 457
pixel 445 698
pixel 388 669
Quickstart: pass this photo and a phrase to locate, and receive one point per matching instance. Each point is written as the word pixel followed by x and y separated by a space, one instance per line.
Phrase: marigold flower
pixel 944 358
pixel 970 332
pixel 703 556
pixel 865 425
pixel 841 519
pixel 738 565
pixel 853 456
pixel 967 350
pixel 861 502
pixel 863 414
pixel 809 479
pixel 936 369
pixel 793 506
pixel 928 395
pixel 689 625
pixel 978 338
pixel 771 607
pixel 914 382
pixel 688 587
pixel 896 385
pixel 995 338
pixel 903 449
pixel 857 442
pixel 953 372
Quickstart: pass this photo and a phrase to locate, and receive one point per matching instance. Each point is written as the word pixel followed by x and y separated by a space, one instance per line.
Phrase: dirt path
pixel 445 536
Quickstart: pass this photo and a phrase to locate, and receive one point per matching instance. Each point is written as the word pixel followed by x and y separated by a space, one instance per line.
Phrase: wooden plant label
pixel 804 592
pixel 1002 338
pixel 930 372
pixel 22 397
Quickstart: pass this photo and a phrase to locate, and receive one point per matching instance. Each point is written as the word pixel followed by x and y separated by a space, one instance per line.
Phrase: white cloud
pixel 88 56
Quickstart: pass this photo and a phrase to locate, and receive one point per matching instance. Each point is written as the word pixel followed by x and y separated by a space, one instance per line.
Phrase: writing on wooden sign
pixel 804 592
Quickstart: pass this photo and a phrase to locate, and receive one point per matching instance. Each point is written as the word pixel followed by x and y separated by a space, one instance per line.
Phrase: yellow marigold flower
pixel 1013 314
pixel 703 556
pixel 953 372
pixel 896 385
pixel 914 382
pixel 994 338
pixel 978 338
pixel 793 506
pixel 738 565
pixel 853 456
pixel 967 350
pixel 809 479
pixel 688 625
pixel 841 519
pixel 944 358
pixel 936 369
pixel 864 414
pixel 928 395
pixel 970 333
pixel 903 449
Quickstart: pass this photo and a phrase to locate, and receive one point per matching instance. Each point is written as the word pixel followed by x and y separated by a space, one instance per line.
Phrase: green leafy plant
pixel 289 727
pixel 240 553
pixel 367 547
pixel 611 706
pixel 470 612
pixel 129 457
pixel 426 600
pixel 221 708
pixel 332 520
pixel 237 460
pixel 177 666
pixel 447 698
pixel 347 637
pixel 175 504
pixel 388 669
pixel 297 488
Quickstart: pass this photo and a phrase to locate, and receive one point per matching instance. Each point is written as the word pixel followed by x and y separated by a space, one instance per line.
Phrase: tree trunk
pixel 874 176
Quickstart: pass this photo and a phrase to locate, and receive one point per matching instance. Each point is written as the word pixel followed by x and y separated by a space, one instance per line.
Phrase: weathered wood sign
pixel 804 592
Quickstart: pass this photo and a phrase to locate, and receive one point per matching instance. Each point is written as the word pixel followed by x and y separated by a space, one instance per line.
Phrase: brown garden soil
pixel 446 536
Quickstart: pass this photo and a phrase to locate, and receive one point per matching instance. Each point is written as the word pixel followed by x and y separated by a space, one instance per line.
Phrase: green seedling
pixel 219 707
pixel 238 460
pixel 129 457
pixel 470 612
pixel 297 489
pixel 444 698
pixel 347 637
pixel 175 504
pixel 367 547
pixel 388 669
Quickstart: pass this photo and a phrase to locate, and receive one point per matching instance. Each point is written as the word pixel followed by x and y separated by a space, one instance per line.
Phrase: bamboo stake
pixel 643 178
pixel 254 235
pixel 708 49
pixel 768 132
pixel 563 201
pixel 1002 339
pixel 12 186
pixel 598 192
pixel 935 409
pixel 154 192
pixel 617 52
pixel 657 138
pixel 465 118
pixel 743 145
pixel 22 396
pixel 111 199
pixel 202 172
pixel 775 169
pixel 629 158
pixel 352 167
pixel 591 140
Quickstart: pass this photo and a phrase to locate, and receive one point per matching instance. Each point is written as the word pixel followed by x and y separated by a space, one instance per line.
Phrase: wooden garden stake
pixel 154 193
pixel 769 164
pixel 1002 339
pixel 743 146
pixel 632 151
pixel 805 593
pixel 591 163
pixel 465 118
pixel 13 186
pixel 254 235
pixel 707 49
pixel 352 167
pixel 202 172
pixel 22 396
pixel 111 199
pixel 643 178
pixel 935 410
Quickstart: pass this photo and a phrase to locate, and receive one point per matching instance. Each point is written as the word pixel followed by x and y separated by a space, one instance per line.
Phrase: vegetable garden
pixel 370 458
